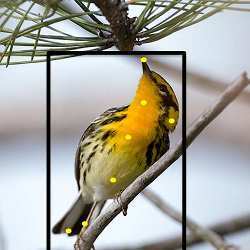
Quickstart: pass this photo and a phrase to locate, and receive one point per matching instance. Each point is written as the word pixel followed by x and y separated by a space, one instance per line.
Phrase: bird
pixel 120 145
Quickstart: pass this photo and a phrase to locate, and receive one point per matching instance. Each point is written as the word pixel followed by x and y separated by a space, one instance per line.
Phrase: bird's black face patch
pixel 168 98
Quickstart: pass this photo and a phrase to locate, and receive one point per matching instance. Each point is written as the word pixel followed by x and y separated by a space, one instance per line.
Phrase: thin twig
pixel 230 93
pixel 224 228
pixel 94 230
pixel 201 232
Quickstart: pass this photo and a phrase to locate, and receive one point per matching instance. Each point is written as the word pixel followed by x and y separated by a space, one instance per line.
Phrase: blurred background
pixel 218 162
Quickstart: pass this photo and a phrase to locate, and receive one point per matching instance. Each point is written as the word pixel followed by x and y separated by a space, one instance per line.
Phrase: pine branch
pixel 156 19
pixel 116 12
pixel 86 241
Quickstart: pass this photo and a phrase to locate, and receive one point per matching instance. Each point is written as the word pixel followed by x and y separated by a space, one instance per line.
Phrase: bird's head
pixel 163 93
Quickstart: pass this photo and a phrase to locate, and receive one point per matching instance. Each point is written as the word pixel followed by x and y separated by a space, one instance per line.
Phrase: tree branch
pixel 94 230
pixel 230 93
pixel 227 227
pixel 197 230
pixel 115 12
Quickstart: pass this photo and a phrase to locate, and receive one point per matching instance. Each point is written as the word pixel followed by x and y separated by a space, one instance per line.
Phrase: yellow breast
pixel 142 117
pixel 132 136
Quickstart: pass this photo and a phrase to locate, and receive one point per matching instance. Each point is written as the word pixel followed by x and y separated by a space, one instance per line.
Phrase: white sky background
pixel 218 48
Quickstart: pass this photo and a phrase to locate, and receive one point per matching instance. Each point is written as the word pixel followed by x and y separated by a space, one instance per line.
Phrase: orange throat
pixel 142 116
pixel 143 112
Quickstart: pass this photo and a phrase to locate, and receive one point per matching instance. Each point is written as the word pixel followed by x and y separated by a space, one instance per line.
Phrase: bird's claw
pixel 119 201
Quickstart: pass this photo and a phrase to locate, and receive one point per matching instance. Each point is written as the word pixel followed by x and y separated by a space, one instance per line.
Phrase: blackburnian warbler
pixel 120 145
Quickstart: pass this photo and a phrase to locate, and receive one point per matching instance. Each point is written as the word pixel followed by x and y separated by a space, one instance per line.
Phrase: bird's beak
pixel 146 69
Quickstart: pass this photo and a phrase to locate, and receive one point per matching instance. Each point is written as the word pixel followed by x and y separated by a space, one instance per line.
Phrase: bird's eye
pixel 163 88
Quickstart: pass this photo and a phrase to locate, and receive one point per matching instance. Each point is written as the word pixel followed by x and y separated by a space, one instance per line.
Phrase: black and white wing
pixel 110 115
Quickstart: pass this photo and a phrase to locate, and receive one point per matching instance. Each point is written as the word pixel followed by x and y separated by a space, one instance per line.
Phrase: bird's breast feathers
pixel 112 165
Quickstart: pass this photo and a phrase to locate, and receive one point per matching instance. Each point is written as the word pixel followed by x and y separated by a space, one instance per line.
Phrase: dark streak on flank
pixel 159 145
pixel 114 110
pixel 149 154
pixel 103 146
pixel 109 133
pixel 158 149
pixel 90 156
pixel 81 156
pixel 113 119
pixel 90 129
pixel 89 167
pixel 82 163
pixel 93 135
pixel 94 132
pixel 85 145
pixel 84 176
pixel 112 148
pixel 165 143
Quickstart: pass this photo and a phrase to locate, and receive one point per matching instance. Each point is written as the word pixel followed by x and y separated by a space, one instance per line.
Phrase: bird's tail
pixel 73 218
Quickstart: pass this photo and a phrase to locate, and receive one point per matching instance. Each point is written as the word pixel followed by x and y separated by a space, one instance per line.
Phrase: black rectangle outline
pixel 48 128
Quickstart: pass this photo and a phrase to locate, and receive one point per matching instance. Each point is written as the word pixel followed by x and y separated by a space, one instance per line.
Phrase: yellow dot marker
pixel 68 230
pixel 113 180
pixel 144 102
pixel 128 137
pixel 144 59
pixel 171 120
pixel 85 224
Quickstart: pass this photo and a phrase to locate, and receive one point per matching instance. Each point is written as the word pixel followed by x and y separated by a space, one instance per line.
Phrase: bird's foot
pixel 119 201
